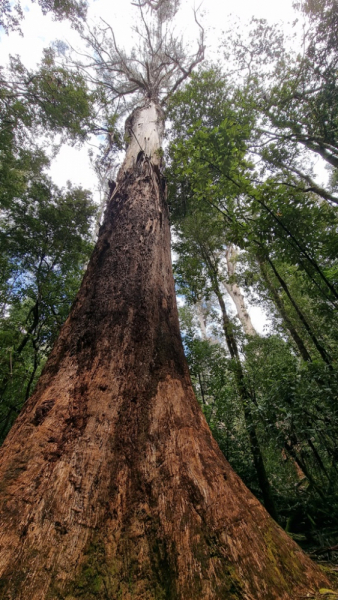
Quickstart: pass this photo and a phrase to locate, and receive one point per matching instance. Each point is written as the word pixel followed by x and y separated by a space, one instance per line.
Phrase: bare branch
pixel 156 66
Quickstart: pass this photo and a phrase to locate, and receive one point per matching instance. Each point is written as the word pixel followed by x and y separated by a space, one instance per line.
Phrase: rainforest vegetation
pixel 252 226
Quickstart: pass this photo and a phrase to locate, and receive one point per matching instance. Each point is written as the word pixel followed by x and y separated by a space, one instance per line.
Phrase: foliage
pixel 287 262
pixel 152 70
pixel 44 241
pixel 45 232
pixel 296 436
pixel 49 100
pixel 291 86
pixel 11 14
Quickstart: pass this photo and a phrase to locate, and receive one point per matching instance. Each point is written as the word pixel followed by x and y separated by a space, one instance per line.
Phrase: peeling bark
pixel 144 132
pixel 112 486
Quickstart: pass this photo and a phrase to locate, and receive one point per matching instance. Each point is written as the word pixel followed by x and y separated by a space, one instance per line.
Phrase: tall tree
pixel 112 485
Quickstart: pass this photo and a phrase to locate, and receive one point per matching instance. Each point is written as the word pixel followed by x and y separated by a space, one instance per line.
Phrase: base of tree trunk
pixel 112 486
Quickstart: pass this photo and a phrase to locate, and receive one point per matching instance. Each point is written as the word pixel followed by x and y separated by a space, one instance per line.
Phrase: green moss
pixel 229 584
pixel 12 584
pixel 91 582
pixel 277 555
pixel 125 577
pixel 331 574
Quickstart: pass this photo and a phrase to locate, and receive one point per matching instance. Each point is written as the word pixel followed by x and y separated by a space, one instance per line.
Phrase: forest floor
pixel 330 568
pixel 323 549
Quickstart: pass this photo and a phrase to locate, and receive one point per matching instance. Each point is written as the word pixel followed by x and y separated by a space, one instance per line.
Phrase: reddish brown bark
pixel 112 486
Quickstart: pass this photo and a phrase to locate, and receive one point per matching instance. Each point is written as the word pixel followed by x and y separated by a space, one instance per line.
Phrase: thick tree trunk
pixel 112 486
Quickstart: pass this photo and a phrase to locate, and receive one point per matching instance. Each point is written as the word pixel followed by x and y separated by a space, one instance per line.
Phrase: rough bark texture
pixel 112 486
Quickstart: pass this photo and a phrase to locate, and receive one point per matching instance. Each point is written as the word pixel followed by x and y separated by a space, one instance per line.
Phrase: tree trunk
pixel 112 485
pixel 235 293
pixel 326 358
pixel 202 321
pixel 244 395
pixel 279 303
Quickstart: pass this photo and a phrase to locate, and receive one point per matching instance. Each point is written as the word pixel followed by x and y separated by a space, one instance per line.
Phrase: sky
pixel 40 31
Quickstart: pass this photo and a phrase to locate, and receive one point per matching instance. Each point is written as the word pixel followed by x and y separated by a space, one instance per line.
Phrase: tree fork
pixel 112 485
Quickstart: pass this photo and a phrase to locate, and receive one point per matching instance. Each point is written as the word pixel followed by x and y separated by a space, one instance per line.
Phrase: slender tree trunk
pixel 235 293
pixel 244 395
pixel 282 311
pixel 202 320
pixel 9 417
pixel 35 311
pixel 290 448
pixel 112 485
pixel 301 316
pixel 255 448
pixel 322 151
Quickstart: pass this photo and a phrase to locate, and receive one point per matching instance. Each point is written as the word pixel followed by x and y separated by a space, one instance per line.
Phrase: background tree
pixel 45 241
pixel 285 237
pixel 200 253
pixel 294 96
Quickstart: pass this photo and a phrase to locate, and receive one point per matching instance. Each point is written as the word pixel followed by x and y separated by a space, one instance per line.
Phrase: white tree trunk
pixel 202 320
pixel 144 131
pixel 236 294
